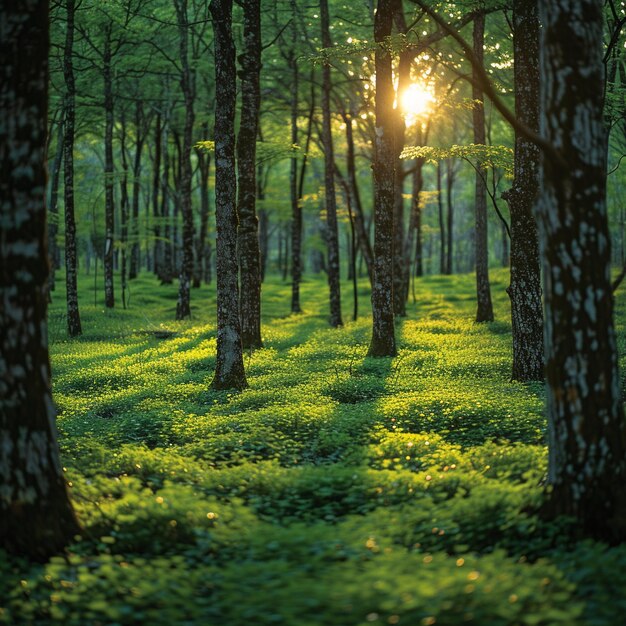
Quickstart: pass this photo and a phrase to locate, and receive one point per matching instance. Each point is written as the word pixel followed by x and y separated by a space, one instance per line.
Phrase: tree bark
pixel 124 211
pixel 74 328
pixel 36 516
pixel 525 288
pixel 109 194
pixel 442 227
pixel 383 341
pixel 140 139
pixel 484 311
pixel 229 372
pixel 587 430
pixel 450 176
pixel 332 235
pixel 156 186
pixel 183 306
pixel 248 233
pixel 53 209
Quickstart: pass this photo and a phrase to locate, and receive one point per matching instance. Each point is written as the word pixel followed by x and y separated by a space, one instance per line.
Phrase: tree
pixel 187 83
pixel 73 314
pixel 484 311
pixel 587 430
pixel 525 288
pixel 332 237
pixel 36 516
pixel 248 233
pixel 383 341
pixel 229 371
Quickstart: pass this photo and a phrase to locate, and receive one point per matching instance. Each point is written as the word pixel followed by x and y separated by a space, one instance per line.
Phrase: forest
pixel 312 313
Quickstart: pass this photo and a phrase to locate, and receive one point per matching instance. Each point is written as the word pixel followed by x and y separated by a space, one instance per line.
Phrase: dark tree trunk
pixel 156 186
pixel 587 430
pixel 109 201
pixel 53 209
pixel 229 372
pixel 359 220
pixel 183 306
pixel 383 333
pixel 442 227
pixel 36 516
pixel 73 315
pixel 332 235
pixel 248 234
pixel 484 311
pixel 525 288
pixel 450 176
pixel 166 264
pixel 414 234
pixel 204 169
pixel 124 211
pixel 296 205
pixel 140 134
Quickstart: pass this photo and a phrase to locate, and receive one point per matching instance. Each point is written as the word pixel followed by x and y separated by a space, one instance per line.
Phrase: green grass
pixel 337 490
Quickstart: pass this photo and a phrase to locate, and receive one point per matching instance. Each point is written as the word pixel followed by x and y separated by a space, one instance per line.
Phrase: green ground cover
pixel 337 490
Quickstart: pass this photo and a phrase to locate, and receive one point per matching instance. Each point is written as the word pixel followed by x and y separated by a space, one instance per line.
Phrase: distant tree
pixel 383 341
pixel 587 429
pixel 484 311
pixel 525 287
pixel 36 516
pixel 73 314
pixel 187 83
pixel 248 233
pixel 332 237
pixel 229 371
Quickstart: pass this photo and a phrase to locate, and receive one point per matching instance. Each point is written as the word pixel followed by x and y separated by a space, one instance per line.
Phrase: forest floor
pixel 337 490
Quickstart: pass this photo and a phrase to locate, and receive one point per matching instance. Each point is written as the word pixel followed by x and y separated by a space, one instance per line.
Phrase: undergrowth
pixel 335 490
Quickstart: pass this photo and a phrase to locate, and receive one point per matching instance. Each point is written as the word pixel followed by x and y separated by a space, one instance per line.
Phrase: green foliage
pixel 337 490
pixel 480 154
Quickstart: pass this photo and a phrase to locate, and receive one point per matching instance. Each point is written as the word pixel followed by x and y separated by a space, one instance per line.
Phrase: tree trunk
pixel 124 206
pixel 383 333
pixel 229 372
pixel 166 265
pixel 248 234
pixel 450 176
pixel 36 516
pixel 442 227
pixel 204 169
pixel 73 314
pixel 156 186
pixel 140 138
pixel 332 235
pixel 359 220
pixel 296 205
pixel 484 311
pixel 525 288
pixel 53 209
pixel 109 202
pixel 587 430
pixel 183 306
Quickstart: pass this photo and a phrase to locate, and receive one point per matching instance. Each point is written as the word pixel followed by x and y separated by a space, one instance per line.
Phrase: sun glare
pixel 415 101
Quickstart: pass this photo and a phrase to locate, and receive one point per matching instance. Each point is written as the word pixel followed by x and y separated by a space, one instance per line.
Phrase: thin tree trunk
pixel 183 306
pixel 156 187
pixel 484 311
pixel 229 372
pixel 140 138
pixel 332 236
pixel 124 206
pixel 74 327
pixel 383 341
pixel 442 227
pixel 53 209
pixel 248 234
pixel 36 516
pixel 204 169
pixel 109 201
pixel 166 265
pixel 450 176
